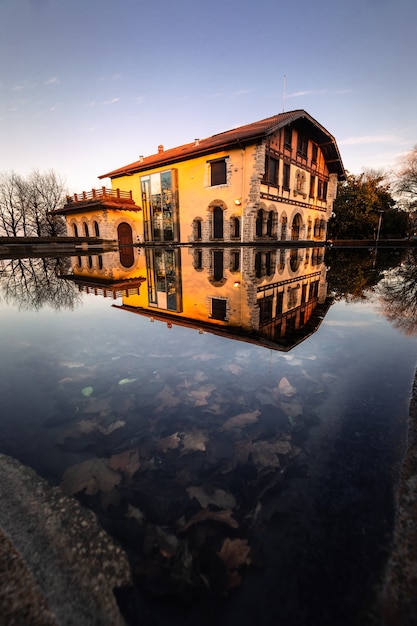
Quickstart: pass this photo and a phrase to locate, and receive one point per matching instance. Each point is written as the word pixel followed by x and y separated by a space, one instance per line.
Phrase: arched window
pixel 217 223
pixel 96 229
pixel 294 260
pixel 235 228
pixel 197 229
pixel 198 259
pixel 296 226
pixel 125 238
pixel 283 227
pixel 217 265
pixel 270 224
pixel 86 229
pixel 75 227
pixel 259 223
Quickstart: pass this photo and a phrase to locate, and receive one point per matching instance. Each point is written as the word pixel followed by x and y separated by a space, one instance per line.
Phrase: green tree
pixel 360 202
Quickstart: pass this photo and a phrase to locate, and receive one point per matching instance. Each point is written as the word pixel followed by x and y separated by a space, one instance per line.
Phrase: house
pixel 274 180
pixel 273 296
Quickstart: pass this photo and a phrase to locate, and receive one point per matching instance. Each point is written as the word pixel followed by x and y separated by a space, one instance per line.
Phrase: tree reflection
pixel 353 274
pixel 398 294
pixel 33 283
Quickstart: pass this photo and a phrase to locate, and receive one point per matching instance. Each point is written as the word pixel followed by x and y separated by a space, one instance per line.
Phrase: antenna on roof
pixel 283 93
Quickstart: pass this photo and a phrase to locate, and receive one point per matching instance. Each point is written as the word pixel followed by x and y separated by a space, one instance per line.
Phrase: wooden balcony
pixel 102 194
pixel 98 198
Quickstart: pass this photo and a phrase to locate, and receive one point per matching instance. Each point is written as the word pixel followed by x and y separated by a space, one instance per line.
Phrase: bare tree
pixel 45 193
pixel 405 184
pixel 27 205
pixel 12 205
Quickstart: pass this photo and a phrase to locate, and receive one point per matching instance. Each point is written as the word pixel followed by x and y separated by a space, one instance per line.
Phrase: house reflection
pixel 274 297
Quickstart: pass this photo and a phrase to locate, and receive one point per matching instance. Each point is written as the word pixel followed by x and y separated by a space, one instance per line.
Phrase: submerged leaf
pixel 87 391
pixel 94 476
pixel 243 419
pixel 285 387
pixel 224 517
pixel 218 497
pixel 234 553
pixel 127 462
pixel 126 381
pixel 195 440
pixel 168 443
pixel 167 399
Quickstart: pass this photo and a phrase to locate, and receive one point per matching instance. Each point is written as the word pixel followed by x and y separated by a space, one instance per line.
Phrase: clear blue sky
pixel 89 85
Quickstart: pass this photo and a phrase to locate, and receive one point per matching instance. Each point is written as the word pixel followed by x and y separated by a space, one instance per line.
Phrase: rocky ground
pixel 57 566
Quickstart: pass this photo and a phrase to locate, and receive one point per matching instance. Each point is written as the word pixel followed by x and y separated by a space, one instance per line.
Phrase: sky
pixel 86 86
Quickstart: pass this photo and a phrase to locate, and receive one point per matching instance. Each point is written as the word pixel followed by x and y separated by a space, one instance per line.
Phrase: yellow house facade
pixel 274 180
pixel 272 296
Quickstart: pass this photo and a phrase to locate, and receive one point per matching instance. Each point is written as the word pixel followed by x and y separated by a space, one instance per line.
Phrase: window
pixel 259 223
pixel 235 228
pixel 312 185
pixel 271 171
pixel 96 229
pixel 322 189
pixel 217 223
pixel 218 265
pixel 314 153
pixel 218 309
pixel 86 229
pixel 302 145
pixel 287 137
pixel 265 307
pixel 75 230
pixel 234 261
pixel 198 259
pixel 218 172
pixel 160 206
pixel 286 176
pixel 197 229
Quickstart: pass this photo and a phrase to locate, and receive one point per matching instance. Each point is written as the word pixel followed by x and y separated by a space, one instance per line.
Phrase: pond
pixel 235 418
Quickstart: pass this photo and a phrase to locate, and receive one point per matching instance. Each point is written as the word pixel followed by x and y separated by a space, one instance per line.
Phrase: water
pixel 249 476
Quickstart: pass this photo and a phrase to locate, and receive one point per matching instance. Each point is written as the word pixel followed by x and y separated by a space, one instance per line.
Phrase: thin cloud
pixel 112 101
pixel 111 77
pixel 311 92
pixel 54 80
pixel 368 139
pixel 243 92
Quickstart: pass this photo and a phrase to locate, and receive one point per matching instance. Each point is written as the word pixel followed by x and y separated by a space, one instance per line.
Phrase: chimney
pixel 141 158
pixel 160 148
pixel 196 142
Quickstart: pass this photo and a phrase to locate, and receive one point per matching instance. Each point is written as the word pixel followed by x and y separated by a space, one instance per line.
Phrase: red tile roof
pixel 241 135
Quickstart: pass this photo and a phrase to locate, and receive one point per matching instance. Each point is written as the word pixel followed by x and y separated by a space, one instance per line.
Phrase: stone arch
pixel 216 211
pixel 296 226
pixel 197 228
pixel 217 270
pixel 260 218
pixel 125 239
pixel 235 227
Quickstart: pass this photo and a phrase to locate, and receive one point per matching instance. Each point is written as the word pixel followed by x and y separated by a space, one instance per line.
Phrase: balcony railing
pixel 112 195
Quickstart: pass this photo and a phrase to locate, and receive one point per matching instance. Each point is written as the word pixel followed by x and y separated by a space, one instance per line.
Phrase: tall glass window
pixel 160 206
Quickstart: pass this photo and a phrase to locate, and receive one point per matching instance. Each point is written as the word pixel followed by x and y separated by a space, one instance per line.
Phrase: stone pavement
pixel 57 566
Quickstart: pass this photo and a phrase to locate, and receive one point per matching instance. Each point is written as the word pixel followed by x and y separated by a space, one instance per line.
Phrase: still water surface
pixel 247 483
